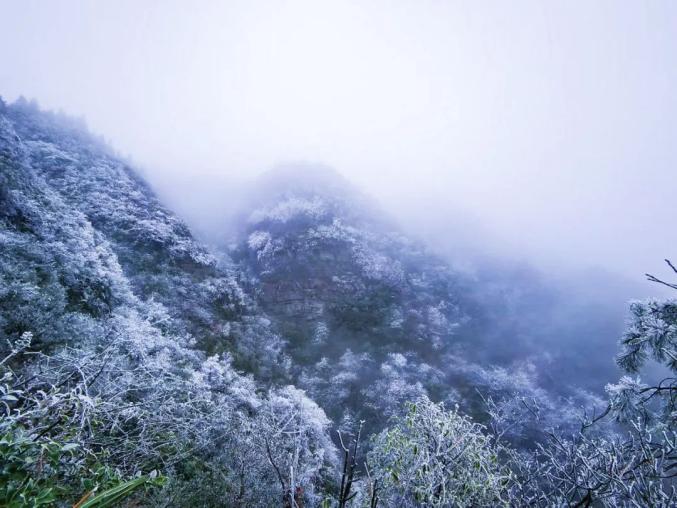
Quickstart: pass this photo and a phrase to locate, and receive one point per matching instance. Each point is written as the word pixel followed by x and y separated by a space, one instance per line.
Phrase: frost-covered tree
pixel 651 334
pixel 437 457
pixel 292 434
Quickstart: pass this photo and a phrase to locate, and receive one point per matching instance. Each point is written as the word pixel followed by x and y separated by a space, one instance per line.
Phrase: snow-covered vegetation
pixel 323 360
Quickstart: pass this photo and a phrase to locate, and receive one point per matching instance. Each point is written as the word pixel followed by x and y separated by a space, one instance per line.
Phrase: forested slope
pixel 133 363
pixel 156 252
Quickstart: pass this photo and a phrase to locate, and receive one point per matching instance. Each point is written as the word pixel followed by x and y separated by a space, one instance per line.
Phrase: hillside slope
pixel 108 311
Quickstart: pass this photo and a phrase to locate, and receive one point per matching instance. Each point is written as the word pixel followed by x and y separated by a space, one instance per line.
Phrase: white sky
pixel 553 125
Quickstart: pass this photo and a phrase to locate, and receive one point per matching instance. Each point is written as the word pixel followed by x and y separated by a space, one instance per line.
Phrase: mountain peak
pixel 310 192
pixel 300 178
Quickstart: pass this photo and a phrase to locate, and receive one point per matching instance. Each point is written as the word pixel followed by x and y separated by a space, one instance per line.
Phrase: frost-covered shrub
pixel 144 402
pixel 607 469
pixel 51 430
pixel 437 457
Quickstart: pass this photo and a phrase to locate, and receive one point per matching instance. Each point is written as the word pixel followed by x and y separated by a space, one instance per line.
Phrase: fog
pixel 544 132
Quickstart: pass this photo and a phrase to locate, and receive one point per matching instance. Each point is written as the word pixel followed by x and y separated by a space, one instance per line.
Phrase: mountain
pixel 372 319
pixel 230 368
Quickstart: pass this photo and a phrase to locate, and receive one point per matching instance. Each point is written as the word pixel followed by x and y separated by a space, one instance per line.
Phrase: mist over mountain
pixel 373 319
pixel 235 364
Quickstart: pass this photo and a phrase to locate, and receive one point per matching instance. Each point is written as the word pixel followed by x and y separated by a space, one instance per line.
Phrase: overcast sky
pixel 551 126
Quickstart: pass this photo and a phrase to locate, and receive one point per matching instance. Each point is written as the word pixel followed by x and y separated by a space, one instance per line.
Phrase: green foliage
pixel 28 470
pixel 38 471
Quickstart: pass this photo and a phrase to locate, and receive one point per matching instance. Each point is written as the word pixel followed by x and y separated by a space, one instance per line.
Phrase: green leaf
pixel 114 495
